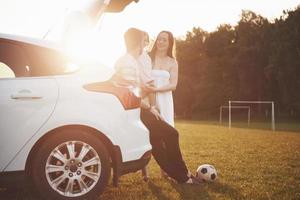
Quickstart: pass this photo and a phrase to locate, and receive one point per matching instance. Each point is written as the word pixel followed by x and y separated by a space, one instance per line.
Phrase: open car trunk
pixel 88 15
pixel 118 5
pixel 95 8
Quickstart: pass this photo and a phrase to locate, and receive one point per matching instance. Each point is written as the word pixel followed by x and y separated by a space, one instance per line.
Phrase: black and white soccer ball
pixel 207 173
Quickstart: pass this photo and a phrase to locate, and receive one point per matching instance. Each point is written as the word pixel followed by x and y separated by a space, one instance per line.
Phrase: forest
pixel 255 60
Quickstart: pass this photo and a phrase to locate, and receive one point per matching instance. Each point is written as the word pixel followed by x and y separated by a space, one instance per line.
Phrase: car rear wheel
pixel 71 164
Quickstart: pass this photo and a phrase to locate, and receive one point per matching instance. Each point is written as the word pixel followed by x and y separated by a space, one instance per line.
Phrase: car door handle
pixel 25 94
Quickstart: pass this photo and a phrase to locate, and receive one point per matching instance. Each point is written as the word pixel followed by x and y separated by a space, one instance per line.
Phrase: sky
pixel 34 18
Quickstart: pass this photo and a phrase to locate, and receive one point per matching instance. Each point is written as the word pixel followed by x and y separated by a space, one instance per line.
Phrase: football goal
pixel 232 104
pixel 235 107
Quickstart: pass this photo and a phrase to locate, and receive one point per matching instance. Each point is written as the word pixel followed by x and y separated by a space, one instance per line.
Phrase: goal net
pixel 247 108
pixel 238 104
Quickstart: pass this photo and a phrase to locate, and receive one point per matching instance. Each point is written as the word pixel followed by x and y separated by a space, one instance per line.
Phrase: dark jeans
pixel 165 147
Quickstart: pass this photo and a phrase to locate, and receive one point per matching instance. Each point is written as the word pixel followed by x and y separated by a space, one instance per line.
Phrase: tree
pixel 254 60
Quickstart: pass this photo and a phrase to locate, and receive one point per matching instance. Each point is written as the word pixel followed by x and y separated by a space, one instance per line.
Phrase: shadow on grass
pixel 18 193
pixel 225 190
pixel 184 191
pixel 191 191
pixel 206 191
pixel 157 191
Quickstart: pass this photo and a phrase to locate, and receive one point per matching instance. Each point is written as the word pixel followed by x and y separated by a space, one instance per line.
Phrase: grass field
pixel 251 163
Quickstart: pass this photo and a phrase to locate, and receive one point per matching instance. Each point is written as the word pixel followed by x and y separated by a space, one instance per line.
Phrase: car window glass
pixel 14 56
pixel 5 71
pixel 27 60
pixel 48 62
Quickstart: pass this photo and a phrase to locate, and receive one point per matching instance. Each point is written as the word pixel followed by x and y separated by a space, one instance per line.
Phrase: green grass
pixel 251 163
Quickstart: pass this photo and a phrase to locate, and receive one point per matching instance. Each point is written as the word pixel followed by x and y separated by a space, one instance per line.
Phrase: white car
pixel 66 135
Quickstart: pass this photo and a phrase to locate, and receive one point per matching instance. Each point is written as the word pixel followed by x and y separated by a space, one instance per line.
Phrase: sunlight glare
pixel 83 47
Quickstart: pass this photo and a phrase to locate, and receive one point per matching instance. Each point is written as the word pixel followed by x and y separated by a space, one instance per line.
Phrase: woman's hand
pixel 151 88
pixel 156 113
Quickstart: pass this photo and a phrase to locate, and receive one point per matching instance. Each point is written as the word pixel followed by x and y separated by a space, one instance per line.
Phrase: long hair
pixel 171 47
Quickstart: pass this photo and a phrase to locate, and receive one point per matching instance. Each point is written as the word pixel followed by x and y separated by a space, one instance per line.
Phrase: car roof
pixel 31 41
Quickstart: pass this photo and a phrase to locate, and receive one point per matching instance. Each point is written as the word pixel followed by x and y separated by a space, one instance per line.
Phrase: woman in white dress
pixel 165 74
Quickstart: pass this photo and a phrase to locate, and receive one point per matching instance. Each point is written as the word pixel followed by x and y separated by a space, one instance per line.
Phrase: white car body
pixel 66 129
pixel 34 107
pixel 62 101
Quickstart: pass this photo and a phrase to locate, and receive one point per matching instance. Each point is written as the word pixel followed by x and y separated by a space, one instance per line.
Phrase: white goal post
pixel 230 106
pixel 234 107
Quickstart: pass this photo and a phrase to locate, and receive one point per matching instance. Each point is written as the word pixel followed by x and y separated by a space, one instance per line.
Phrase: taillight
pixel 128 99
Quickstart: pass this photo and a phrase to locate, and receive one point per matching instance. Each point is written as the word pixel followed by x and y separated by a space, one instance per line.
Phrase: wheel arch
pixel 98 134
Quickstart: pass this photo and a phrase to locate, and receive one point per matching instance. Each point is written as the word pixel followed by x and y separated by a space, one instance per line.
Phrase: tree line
pixel 255 60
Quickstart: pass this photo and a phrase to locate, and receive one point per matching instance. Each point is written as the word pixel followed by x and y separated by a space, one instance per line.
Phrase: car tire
pixel 71 164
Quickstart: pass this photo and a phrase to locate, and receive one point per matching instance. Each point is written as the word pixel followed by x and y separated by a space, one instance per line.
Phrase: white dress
pixel 164 100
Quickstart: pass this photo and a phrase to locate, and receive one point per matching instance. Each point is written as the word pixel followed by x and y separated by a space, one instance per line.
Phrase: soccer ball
pixel 207 173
